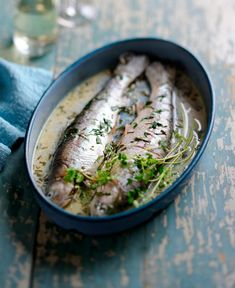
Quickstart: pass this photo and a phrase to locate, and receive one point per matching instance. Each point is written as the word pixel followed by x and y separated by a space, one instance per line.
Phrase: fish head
pixel 131 65
pixel 60 193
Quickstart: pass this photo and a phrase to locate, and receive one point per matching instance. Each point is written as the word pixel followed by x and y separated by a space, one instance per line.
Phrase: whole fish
pixel 151 129
pixel 84 140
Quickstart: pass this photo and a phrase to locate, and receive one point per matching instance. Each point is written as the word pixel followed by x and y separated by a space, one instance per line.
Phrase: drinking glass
pixel 35 27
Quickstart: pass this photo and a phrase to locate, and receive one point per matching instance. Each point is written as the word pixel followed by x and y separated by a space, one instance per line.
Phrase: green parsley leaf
pixel 123 159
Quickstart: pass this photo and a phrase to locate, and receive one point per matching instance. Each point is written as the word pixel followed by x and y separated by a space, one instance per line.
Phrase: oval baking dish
pixel 101 59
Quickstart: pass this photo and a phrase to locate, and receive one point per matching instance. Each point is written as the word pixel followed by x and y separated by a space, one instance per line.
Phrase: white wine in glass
pixel 35 27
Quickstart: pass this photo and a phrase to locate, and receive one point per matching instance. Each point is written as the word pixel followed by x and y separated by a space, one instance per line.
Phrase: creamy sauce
pixel 186 98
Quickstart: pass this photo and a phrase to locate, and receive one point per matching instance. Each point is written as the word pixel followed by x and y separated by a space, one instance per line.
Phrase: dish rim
pixel 164 193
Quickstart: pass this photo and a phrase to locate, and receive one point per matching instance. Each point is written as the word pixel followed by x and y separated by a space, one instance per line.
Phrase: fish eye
pixel 50 195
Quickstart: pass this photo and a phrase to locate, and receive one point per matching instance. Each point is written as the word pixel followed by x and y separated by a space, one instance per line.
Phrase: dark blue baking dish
pixel 100 59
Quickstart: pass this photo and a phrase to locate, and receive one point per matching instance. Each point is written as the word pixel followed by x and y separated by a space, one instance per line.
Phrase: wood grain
pixel 191 243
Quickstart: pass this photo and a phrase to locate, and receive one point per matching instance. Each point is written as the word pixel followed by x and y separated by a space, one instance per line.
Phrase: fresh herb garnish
pixel 155 124
pixel 147 168
pixel 146 134
pixel 134 124
pixel 137 139
pixel 104 127
pixel 79 178
pixel 163 145
pixel 133 194
pixel 123 159
pixel 148 103
pixel 147 118
pixel 103 177
pixel 161 97
pixel 98 140
pixel 149 174
pixel 158 111
pixel 72 175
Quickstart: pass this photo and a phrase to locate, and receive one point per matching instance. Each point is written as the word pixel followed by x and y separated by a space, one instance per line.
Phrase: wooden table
pixel 192 242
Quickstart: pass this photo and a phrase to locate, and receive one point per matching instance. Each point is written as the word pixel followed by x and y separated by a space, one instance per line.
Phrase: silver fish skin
pixel 85 139
pixel 114 194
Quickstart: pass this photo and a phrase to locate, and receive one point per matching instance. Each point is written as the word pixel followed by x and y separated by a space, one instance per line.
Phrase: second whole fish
pixel 151 129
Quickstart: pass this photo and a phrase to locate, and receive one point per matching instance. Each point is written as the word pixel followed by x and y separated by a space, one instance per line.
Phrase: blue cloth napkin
pixel 21 88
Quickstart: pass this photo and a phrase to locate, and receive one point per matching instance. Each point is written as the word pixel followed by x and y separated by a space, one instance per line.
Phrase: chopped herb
pixel 109 157
pixel 161 169
pixel 98 140
pixel 123 159
pixel 129 181
pixel 72 175
pixel 161 97
pixel 141 139
pixel 104 127
pixel 77 177
pixel 147 168
pixel 103 177
pixel 158 111
pixel 156 124
pixel 107 125
pixel 120 128
pixel 163 132
pixel 146 134
pixel 133 195
pixel 163 144
pixel 145 93
pixel 134 124
pixel 146 118
pixel 148 103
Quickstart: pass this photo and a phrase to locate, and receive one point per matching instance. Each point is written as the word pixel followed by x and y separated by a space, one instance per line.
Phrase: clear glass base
pixel 33 47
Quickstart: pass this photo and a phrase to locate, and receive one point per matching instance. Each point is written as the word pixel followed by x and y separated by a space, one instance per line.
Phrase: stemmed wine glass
pixel 73 13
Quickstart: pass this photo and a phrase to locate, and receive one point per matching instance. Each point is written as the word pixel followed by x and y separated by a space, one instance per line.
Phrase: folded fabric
pixel 21 88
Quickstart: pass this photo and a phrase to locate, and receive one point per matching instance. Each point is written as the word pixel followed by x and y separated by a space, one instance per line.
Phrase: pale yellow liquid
pixel 35 28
